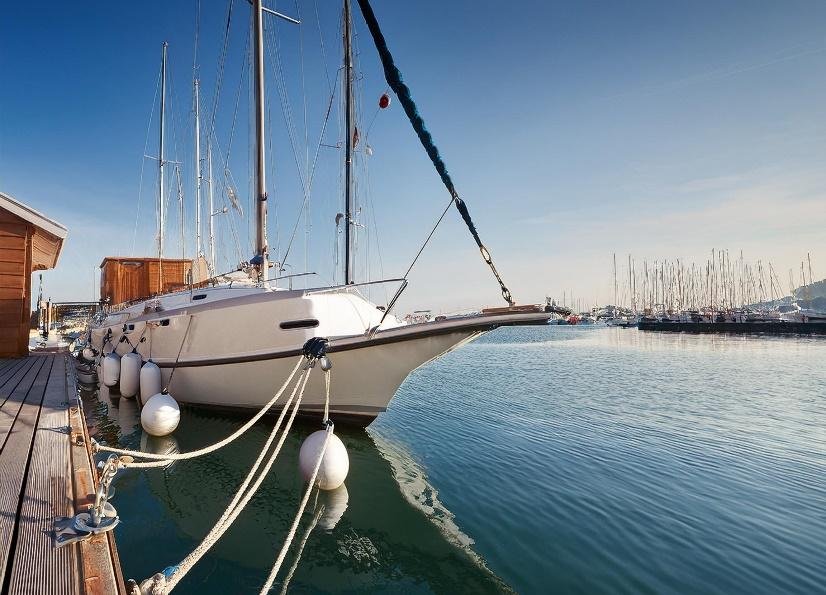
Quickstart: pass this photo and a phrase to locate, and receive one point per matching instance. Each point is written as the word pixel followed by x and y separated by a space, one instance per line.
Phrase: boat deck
pixel 46 471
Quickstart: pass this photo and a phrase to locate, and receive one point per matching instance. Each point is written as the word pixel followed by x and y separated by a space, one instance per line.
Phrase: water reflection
pixel 364 537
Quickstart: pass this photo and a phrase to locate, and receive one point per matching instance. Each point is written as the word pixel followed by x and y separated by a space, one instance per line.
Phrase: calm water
pixel 541 459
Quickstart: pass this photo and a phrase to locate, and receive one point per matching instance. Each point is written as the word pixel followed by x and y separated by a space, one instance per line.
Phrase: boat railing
pixel 335 288
pixel 354 286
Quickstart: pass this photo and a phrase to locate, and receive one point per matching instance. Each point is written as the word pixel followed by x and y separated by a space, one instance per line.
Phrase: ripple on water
pixel 611 460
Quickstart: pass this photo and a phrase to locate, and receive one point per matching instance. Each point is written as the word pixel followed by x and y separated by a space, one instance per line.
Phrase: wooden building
pixel 29 241
pixel 124 279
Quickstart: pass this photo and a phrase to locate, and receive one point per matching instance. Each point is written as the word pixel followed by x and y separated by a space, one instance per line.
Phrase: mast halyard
pixel 261 256
pixel 348 155
pixel 160 166
pixel 210 207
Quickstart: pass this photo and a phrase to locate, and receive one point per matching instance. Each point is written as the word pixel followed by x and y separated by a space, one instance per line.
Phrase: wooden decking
pixel 46 471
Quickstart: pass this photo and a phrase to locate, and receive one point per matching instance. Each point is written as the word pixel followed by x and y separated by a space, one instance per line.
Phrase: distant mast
pixel 615 285
pixel 348 154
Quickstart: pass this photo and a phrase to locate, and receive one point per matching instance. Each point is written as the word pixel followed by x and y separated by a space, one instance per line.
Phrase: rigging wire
pixel 286 110
pixel 307 219
pixel 227 174
pixel 219 76
pixel 323 50
pixel 143 160
pixel 312 173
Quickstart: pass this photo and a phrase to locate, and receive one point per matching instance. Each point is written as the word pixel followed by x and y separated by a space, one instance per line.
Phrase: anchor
pixel 100 517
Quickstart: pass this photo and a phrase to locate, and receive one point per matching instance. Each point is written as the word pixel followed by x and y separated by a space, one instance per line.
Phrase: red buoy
pixel 384 100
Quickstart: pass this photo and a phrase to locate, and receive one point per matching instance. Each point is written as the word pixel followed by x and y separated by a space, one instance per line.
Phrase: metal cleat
pixel 100 517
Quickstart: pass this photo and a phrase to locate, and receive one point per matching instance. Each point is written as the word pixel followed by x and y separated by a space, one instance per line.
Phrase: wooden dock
pixel 46 470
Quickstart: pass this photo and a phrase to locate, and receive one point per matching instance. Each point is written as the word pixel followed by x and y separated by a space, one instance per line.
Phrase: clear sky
pixel 572 129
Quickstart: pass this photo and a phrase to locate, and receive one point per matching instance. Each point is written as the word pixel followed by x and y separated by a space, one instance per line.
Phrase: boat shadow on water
pixel 368 536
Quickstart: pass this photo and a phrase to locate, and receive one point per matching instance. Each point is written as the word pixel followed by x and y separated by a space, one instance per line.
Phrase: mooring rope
pixel 163 582
pixel 97 447
pixel 286 582
pixel 291 535
pixel 310 487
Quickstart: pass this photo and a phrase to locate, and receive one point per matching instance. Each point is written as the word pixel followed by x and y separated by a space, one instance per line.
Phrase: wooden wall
pixel 127 279
pixel 15 284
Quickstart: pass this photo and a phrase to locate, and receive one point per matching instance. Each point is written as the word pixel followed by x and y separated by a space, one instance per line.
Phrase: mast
pixel 630 289
pixel 160 152
pixel 161 164
pixel 348 154
pixel 811 279
pixel 198 176
pixel 260 161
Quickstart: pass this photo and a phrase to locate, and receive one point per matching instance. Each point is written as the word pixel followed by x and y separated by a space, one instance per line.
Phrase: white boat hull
pixel 235 352
pixel 363 380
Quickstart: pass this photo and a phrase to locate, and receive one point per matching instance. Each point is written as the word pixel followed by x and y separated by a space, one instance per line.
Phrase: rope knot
pixel 315 348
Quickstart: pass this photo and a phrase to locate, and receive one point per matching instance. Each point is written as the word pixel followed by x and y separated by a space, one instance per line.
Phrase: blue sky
pixel 573 130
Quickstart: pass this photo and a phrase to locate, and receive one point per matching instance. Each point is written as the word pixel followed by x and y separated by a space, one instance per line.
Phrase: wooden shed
pixel 124 279
pixel 29 241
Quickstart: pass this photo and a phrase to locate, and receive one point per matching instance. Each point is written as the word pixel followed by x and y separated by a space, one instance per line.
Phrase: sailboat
pixel 230 343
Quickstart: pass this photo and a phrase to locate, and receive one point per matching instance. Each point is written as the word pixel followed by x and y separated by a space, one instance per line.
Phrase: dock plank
pixel 15 373
pixel 15 397
pixel 6 364
pixel 47 470
pixel 38 567
pixel 19 416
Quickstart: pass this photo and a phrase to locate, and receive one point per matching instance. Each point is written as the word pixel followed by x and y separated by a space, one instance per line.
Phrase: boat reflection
pixel 367 535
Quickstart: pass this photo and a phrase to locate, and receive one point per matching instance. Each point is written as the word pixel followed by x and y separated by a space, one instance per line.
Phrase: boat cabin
pixel 29 241
pixel 125 279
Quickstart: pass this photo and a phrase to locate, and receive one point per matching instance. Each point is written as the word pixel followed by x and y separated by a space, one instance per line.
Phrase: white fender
pixel 130 374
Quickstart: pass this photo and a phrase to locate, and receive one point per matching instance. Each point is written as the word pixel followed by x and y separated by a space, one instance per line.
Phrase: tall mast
pixel 160 169
pixel 198 176
pixel 348 154
pixel 160 152
pixel 260 163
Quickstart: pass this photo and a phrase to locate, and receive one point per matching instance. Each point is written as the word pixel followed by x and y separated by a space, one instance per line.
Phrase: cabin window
pixel 130 327
pixel 164 322
pixel 304 323
pixel 200 296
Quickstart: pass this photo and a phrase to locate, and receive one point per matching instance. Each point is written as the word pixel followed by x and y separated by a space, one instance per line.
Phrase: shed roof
pixel 14 206
pixel 48 240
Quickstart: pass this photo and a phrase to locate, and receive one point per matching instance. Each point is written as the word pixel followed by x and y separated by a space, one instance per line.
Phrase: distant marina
pixel 719 297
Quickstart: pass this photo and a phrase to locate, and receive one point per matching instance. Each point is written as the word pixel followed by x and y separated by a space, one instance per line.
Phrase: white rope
pixel 291 535
pixel 144 465
pixel 208 449
pixel 310 527
pixel 163 582
pixel 244 494
pixel 327 395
